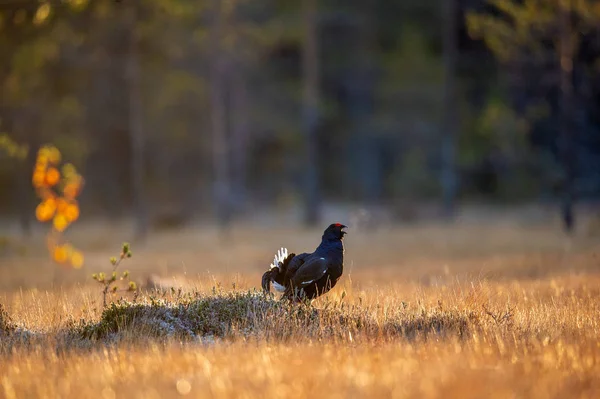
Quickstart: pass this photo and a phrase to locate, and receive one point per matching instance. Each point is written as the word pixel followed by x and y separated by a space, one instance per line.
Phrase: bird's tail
pixel 277 267
pixel 280 257
pixel 266 281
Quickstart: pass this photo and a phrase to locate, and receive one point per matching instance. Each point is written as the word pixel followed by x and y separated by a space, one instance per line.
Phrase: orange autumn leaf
pixel 60 254
pixel 52 177
pixel 62 205
pixel 60 222
pixel 71 212
pixel 42 160
pixel 39 179
pixel 50 202
pixel 58 186
pixel 44 212
pixel 72 189
pixel 47 194
pixel 40 167
pixel 43 151
pixel 54 155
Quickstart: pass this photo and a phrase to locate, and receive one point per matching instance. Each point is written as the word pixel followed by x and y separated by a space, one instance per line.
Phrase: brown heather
pixel 425 312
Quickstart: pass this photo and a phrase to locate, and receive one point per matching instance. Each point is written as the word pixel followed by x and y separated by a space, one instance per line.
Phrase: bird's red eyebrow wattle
pixel 338 225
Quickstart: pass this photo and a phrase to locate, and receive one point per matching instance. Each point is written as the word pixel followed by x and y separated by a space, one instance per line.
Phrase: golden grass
pixel 529 302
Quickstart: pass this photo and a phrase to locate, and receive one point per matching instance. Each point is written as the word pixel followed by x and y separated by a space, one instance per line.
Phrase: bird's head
pixel 335 231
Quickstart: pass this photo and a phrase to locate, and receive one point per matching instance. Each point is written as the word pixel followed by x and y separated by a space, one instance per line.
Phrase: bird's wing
pixel 309 272
pixel 284 264
pixel 293 266
pixel 296 262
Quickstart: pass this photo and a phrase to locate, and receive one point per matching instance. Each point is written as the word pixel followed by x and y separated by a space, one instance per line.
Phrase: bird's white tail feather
pixel 278 287
pixel 279 257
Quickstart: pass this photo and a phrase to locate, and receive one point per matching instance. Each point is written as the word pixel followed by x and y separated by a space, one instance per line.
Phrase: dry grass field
pixel 476 310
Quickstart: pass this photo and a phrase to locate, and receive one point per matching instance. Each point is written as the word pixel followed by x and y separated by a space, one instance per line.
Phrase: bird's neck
pixel 332 248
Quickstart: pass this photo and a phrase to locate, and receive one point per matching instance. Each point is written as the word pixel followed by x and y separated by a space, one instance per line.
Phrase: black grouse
pixel 308 275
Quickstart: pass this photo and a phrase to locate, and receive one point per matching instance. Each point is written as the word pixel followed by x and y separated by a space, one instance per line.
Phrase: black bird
pixel 308 275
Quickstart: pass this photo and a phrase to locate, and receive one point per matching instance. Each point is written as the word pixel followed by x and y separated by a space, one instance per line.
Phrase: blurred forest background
pixel 181 110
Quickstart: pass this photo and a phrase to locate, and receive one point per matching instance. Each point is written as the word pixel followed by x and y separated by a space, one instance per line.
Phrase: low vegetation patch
pixel 250 314
pixel 7 326
pixel 11 334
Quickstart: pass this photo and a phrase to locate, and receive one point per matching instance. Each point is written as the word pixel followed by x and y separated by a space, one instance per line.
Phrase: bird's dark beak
pixel 343 231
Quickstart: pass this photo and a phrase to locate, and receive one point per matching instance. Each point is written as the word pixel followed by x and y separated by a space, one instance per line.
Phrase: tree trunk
pixel 566 115
pixel 310 69
pixel 221 167
pixel 136 132
pixel 450 127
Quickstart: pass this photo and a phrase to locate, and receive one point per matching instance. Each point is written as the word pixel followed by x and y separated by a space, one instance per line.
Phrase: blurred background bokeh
pixel 271 112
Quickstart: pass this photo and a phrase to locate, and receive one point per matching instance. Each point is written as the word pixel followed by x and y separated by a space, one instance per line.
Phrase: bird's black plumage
pixel 309 275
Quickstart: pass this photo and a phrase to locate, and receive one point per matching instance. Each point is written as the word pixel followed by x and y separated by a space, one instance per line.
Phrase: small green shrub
pixel 109 283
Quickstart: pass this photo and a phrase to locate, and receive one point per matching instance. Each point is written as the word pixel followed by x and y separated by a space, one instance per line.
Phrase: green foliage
pixel 506 36
pixel 496 128
pixel 528 34
pixel 523 26
pixel 64 78
pixel 109 282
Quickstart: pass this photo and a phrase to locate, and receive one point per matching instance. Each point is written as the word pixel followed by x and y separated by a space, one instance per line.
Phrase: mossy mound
pixel 251 314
